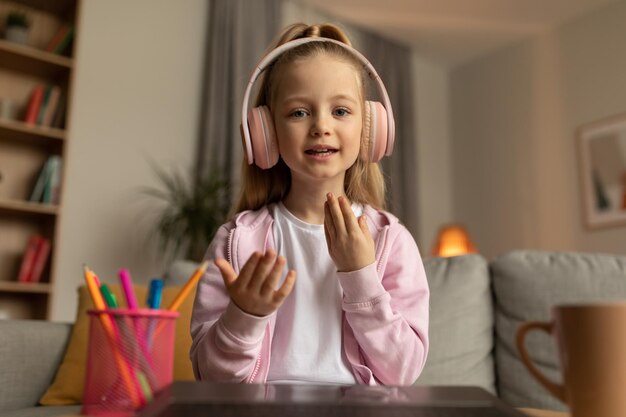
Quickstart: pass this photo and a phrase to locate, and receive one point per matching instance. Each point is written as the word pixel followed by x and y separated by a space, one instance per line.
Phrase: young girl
pixel 312 202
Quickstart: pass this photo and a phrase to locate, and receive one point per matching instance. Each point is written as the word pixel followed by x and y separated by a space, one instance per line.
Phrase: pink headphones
pixel 258 128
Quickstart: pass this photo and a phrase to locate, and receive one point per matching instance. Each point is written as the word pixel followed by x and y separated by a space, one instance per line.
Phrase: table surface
pixel 543 413
pixel 533 412
pixel 200 398
pixel 198 395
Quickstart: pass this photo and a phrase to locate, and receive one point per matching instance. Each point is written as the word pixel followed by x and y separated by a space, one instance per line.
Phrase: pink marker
pixel 95 278
pixel 127 286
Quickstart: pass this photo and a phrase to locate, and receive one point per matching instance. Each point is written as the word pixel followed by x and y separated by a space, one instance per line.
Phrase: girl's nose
pixel 320 126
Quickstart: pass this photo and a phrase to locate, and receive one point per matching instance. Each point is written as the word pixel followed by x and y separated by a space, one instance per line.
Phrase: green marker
pixel 108 296
pixel 144 385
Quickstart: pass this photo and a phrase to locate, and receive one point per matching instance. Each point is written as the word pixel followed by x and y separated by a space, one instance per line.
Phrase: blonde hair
pixel 364 182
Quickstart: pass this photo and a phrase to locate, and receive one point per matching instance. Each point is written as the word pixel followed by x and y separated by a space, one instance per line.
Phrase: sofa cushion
pixel 526 285
pixel 68 384
pixel 29 357
pixel 461 323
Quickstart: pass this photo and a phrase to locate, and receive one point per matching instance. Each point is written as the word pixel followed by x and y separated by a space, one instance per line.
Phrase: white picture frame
pixel 602 158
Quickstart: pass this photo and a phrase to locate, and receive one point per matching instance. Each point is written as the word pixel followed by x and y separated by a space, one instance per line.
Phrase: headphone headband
pixel 275 53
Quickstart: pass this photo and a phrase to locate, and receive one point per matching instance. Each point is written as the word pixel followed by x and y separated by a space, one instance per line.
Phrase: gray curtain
pixel 392 61
pixel 239 32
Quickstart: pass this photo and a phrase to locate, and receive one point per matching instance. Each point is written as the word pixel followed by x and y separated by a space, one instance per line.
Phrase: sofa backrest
pixel 526 285
pixel 461 323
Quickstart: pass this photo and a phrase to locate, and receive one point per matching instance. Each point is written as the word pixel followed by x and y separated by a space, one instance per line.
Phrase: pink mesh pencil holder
pixel 130 357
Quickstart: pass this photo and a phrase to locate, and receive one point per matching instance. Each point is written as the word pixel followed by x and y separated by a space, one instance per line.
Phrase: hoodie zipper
pixel 257 365
pixel 229 253
pixel 384 250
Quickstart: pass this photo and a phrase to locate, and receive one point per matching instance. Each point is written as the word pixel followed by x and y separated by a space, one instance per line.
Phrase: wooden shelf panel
pixel 32 61
pixel 25 287
pixel 20 131
pixel 57 7
pixel 27 304
pixel 27 207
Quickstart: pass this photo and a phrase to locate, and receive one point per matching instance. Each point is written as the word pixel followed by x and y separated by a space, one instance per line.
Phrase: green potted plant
pixel 16 27
pixel 190 212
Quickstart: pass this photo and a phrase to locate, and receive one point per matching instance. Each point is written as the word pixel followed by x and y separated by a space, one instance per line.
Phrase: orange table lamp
pixel 453 240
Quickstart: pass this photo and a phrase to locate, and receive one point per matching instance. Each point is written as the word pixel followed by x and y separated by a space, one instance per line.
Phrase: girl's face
pixel 318 118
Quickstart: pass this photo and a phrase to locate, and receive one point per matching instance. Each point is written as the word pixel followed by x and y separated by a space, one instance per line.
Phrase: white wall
pixel 136 97
pixel 514 116
pixel 434 166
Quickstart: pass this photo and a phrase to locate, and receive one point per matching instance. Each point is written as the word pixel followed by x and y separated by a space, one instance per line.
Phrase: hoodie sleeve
pixel 226 341
pixel 387 310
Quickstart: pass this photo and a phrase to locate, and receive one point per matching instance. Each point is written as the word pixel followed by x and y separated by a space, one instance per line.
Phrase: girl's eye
pixel 298 113
pixel 341 112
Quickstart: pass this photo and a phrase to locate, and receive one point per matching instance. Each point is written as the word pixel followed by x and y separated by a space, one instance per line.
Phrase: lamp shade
pixel 453 240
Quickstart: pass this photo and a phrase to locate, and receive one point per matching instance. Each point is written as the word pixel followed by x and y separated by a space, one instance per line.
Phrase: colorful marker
pixel 127 286
pixel 154 293
pixel 109 297
pixel 180 297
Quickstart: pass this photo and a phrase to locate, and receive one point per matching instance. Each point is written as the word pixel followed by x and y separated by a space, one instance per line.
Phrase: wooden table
pixel 534 412
pixel 206 398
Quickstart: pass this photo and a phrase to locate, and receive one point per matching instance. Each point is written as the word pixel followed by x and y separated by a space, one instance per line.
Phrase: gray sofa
pixel 475 307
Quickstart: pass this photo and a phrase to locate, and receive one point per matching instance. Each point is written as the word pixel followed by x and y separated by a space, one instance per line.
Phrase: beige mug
pixel 591 341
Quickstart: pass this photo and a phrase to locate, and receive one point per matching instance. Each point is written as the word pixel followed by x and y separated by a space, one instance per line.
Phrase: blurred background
pixel 499 104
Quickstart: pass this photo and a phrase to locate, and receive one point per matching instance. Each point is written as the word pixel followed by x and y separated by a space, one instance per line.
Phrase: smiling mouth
pixel 320 151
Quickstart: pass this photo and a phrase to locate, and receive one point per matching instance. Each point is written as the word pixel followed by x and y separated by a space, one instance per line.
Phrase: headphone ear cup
pixel 375 132
pixel 263 137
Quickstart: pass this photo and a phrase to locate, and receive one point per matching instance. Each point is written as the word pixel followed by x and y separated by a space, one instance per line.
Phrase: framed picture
pixel 602 154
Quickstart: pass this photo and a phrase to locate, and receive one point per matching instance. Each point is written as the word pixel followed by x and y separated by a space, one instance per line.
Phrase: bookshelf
pixel 25 148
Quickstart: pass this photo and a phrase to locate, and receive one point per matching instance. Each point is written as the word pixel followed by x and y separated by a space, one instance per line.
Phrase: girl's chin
pixel 316 176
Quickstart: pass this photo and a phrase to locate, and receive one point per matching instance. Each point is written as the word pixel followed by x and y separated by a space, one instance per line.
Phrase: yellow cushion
pixel 67 387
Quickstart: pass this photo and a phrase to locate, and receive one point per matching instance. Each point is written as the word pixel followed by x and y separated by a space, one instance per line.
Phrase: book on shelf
pixel 58 118
pixel 46 189
pixel 34 259
pixel 41 258
pixel 49 105
pixel 34 105
pixel 44 103
pixel 28 259
pixel 61 40
pixel 52 104
pixel 37 194
pixel 53 185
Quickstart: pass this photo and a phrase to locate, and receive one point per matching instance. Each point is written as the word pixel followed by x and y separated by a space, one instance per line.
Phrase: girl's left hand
pixel 349 241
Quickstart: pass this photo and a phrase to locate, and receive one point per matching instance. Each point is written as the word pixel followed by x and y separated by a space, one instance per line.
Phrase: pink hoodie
pixel 385 308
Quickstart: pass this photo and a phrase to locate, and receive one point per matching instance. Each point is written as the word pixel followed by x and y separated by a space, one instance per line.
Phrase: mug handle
pixel 555 389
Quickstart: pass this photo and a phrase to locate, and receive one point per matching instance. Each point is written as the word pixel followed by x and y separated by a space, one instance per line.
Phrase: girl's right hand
pixel 254 290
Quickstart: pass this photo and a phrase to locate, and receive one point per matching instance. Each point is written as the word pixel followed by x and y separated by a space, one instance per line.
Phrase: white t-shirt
pixel 307 345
